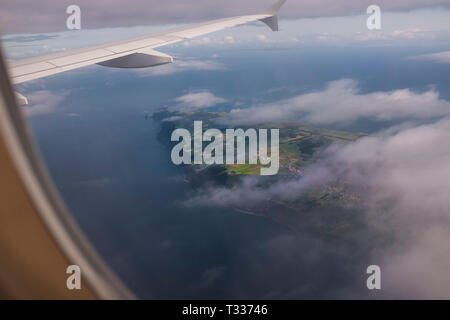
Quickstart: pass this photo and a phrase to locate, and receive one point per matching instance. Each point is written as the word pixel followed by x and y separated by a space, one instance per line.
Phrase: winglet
pixel 273 10
pixel 272 21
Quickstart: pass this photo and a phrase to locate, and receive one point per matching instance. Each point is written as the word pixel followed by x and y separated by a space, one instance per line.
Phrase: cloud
pixel 43 102
pixel 250 192
pixel 403 178
pixel 439 57
pixel 229 39
pixel 173 118
pixel 409 34
pixel 200 41
pixel 406 181
pixel 198 100
pixel 342 102
pixel 215 41
pixel 46 16
pixel 262 38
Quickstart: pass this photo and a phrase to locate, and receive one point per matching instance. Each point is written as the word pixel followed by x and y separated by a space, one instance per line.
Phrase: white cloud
pixel 200 41
pixel 173 118
pixel 198 100
pixel 214 40
pixel 440 57
pixel 342 102
pixel 261 37
pixel 229 39
pixel 43 102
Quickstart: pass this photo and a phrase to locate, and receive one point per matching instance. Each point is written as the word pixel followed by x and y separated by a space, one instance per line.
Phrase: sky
pixel 25 16
pixel 324 68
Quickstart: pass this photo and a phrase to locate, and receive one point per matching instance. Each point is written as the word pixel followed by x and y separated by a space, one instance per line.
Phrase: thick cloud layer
pixel 49 15
pixel 341 102
pixel 404 178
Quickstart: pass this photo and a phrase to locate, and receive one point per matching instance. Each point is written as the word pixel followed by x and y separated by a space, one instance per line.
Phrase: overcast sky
pixel 31 16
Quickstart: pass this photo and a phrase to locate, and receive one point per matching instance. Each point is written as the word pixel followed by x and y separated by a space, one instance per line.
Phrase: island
pixel 332 209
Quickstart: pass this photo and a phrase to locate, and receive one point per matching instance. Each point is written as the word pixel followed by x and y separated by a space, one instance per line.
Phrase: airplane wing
pixel 131 53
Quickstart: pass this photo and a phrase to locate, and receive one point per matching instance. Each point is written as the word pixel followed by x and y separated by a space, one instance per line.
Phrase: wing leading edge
pixel 131 53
